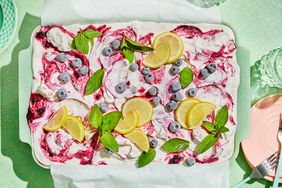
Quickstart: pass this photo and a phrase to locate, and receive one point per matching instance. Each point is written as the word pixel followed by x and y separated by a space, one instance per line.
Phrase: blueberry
pixel 107 51
pixel 177 97
pixel 149 78
pixel 145 71
pixel 190 161
pixel 64 77
pixel 62 94
pixel 115 44
pixel 204 73
pixel 120 88
pixel 174 70
pixel 156 101
pixel 108 151
pixel 174 87
pixel 178 62
pixel 153 91
pixel 153 143
pixel 174 127
pixel 104 107
pixel 211 68
pixel 192 92
pixel 170 106
pixel 83 70
pixel 62 57
pixel 133 67
pixel 76 63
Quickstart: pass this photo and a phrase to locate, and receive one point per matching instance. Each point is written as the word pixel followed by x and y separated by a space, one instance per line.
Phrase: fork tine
pixel 273 156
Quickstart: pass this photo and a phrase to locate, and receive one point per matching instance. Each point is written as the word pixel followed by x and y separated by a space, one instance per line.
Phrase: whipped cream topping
pixel 203 44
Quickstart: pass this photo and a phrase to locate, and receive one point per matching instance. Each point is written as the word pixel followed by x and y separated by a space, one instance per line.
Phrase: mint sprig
pixel 95 117
pixel 185 77
pixel 110 120
pixel 214 129
pixel 109 142
pixel 94 82
pixel 82 39
pixel 129 46
pixel 146 158
pixel 175 145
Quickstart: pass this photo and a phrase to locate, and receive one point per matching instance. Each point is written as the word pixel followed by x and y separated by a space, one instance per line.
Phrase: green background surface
pixel 258 28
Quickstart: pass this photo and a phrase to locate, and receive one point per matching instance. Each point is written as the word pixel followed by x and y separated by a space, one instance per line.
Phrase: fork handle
pixel 239 184
pixel 278 170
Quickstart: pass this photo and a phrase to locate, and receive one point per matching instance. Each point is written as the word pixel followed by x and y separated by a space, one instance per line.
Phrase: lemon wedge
pixel 197 113
pixel 158 57
pixel 128 123
pixel 175 43
pixel 143 108
pixel 139 138
pixel 183 108
pixel 75 128
pixel 57 121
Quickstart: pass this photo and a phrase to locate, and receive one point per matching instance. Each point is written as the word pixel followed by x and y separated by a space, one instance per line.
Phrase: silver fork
pixel 261 170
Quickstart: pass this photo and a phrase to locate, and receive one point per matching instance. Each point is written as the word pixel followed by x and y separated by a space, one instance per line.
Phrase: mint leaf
pixel 94 82
pixel 221 117
pixel 175 145
pixel 73 45
pixel 186 77
pixel 206 143
pixel 110 120
pixel 84 48
pixel 209 126
pixel 146 157
pixel 136 46
pixel 222 130
pixel 91 34
pixel 96 117
pixel 109 142
pixel 128 54
pixel 123 44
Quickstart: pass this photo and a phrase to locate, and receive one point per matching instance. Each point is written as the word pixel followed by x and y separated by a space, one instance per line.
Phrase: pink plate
pixel 264 127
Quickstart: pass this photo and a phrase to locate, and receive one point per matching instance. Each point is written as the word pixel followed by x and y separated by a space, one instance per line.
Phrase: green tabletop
pixel 258 28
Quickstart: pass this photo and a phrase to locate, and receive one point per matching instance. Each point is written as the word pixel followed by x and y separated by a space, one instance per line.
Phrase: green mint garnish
pixel 215 129
pixel 175 145
pixel 109 142
pixel 186 77
pixel 94 82
pixel 146 158
pixel 82 39
pixel 110 120
pixel 128 54
pixel 96 117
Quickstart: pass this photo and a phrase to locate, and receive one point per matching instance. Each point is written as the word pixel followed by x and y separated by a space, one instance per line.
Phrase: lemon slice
pixel 128 123
pixel 158 57
pixel 198 113
pixel 57 121
pixel 175 44
pixel 182 109
pixel 139 138
pixel 75 128
pixel 143 108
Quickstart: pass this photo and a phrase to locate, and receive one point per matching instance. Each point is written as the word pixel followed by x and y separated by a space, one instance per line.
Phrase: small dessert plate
pixel 263 140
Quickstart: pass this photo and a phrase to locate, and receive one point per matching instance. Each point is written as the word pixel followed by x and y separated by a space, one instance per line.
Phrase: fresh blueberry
pixel 62 94
pixel 64 77
pixel 211 68
pixel 178 62
pixel 192 92
pixel 107 51
pixel 177 97
pixel 76 63
pixel 174 70
pixel 62 57
pixel 190 161
pixel 133 67
pixel 108 151
pixel 153 91
pixel 204 73
pixel 174 87
pixel 145 71
pixel 115 44
pixel 83 70
pixel 156 101
pixel 174 126
pixel 104 107
pixel 120 88
pixel 149 78
pixel 170 106
pixel 153 143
